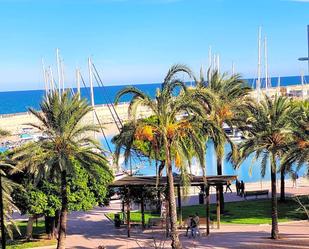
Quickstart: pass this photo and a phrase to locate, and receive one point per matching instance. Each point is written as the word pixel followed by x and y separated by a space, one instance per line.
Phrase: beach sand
pixel 14 123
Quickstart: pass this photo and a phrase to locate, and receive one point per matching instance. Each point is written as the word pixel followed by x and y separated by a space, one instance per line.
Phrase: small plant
pixel 303 206
pixel 156 243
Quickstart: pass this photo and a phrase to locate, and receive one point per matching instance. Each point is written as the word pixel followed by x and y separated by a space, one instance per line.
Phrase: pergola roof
pixel 151 180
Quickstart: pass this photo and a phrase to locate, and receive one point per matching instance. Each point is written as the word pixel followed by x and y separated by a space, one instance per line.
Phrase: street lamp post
pixel 306 58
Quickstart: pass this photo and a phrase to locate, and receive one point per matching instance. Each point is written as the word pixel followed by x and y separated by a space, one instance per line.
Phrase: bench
pixel 156 222
pixel 203 222
pixel 256 193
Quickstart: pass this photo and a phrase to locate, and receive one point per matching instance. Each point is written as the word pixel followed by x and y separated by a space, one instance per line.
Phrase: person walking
pixel 237 187
pixel 189 221
pixel 228 186
pixel 294 178
pixel 242 188
pixel 195 226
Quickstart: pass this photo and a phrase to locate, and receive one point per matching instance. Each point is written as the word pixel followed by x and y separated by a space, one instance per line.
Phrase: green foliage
pixel 175 124
pixel 99 185
pixel 149 194
pixel 242 212
pixel 6 189
pixel 268 130
pixel 226 100
pixel 84 192
pixel 4 133
pixel 38 236
pixel 38 201
pixel 67 141
pixel 297 150
pixel 80 196
pixel 178 120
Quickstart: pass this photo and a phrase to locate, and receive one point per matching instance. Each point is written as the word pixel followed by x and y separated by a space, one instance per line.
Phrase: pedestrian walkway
pixel 91 229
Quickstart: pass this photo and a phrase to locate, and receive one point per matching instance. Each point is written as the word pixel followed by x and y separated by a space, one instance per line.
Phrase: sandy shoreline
pixel 14 123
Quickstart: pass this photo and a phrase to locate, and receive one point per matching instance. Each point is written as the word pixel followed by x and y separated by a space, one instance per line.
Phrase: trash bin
pixel 117 220
pixel 201 198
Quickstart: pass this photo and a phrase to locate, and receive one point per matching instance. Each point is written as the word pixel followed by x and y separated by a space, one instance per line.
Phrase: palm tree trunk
pixel 2 216
pixel 220 187
pixel 64 212
pixel 274 205
pixel 282 187
pixel 176 244
pixel 29 230
pixel 167 220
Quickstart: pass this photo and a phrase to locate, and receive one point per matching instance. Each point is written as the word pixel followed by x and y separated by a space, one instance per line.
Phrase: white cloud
pixel 301 1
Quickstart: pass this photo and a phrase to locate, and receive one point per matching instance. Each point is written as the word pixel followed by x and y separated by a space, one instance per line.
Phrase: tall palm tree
pixel 6 202
pixel 297 151
pixel 225 98
pixel 67 140
pixel 176 117
pixel 268 130
pixel 6 188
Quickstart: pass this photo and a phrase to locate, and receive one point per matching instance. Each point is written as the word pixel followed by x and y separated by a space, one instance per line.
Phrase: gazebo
pixel 199 181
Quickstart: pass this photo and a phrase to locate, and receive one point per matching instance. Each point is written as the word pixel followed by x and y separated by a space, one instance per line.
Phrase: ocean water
pixel 20 101
pixel 249 170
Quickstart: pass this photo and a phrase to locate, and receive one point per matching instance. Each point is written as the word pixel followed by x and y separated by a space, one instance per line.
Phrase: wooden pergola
pixel 197 181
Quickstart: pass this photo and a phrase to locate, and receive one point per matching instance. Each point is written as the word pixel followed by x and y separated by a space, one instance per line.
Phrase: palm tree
pixel 268 130
pixel 67 140
pixel 6 188
pixel 225 98
pixel 298 149
pixel 7 205
pixel 177 121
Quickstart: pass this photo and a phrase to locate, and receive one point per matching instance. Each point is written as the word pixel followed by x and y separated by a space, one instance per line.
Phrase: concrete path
pixel 91 229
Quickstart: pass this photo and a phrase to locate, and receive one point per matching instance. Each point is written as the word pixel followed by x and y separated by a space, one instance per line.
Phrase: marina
pixel 154 124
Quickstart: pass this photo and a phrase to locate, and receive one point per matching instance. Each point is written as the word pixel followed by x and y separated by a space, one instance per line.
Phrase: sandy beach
pixel 14 123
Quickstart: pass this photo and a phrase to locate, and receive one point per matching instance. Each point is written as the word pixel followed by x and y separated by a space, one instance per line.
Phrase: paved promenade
pixel 91 229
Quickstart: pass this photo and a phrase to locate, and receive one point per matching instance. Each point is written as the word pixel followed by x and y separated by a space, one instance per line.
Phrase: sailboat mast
pixel 51 78
pixel 58 70
pixel 62 74
pixel 266 64
pixel 218 63
pixel 302 84
pixel 308 47
pixel 258 83
pixel 209 59
pixel 78 82
pixel 45 78
pixel 91 87
pixel 278 87
pixel 233 68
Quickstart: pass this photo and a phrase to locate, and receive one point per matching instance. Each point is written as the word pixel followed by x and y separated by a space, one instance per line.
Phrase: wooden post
pixel 128 214
pixel 207 211
pixel 143 211
pixel 179 206
pixel 218 206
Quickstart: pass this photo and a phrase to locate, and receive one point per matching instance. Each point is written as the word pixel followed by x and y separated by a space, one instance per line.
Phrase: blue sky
pixel 135 41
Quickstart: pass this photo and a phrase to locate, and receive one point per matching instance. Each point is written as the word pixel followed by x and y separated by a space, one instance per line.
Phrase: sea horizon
pixel 12 102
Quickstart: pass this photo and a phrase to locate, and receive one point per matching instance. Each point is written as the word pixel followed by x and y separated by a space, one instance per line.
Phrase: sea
pixel 19 101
